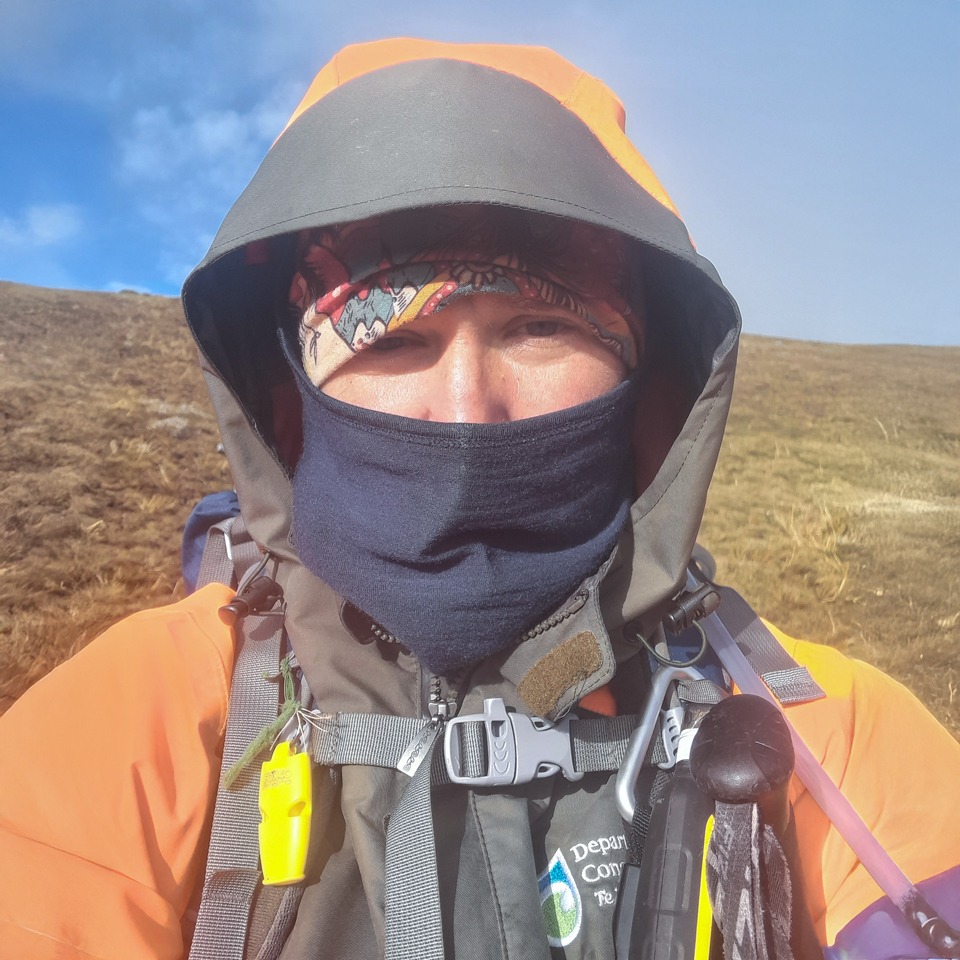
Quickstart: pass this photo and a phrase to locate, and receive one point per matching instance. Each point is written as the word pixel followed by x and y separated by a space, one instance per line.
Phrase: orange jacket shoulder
pixel 895 763
pixel 110 766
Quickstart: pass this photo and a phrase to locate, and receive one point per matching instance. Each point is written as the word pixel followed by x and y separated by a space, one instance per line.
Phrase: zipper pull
pixel 440 709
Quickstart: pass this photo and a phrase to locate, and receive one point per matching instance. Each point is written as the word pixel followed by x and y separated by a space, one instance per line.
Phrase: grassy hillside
pixel 836 504
pixel 108 441
pixel 836 509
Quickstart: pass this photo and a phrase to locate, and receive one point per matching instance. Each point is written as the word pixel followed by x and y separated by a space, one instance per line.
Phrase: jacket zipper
pixel 441 708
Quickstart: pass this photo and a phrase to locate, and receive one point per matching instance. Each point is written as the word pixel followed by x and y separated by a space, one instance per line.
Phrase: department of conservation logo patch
pixel 560 902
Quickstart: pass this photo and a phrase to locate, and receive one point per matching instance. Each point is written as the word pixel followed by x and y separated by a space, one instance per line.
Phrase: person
pixel 471 377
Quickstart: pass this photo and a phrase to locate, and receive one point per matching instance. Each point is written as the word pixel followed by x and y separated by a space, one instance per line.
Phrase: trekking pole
pixel 931 928
pixel 743 754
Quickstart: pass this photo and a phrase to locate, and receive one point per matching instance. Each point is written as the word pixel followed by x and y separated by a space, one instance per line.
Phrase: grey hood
pixel 380 132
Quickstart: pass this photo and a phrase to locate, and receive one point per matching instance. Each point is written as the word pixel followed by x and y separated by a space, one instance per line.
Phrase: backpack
pixel 645 925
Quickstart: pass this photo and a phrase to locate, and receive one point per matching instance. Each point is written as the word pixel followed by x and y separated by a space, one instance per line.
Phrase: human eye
pixel 386 344
pixel 543 330
pixel 393 342
pixel 541 327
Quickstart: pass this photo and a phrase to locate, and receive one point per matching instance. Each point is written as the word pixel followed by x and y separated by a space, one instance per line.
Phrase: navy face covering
pixel 457 537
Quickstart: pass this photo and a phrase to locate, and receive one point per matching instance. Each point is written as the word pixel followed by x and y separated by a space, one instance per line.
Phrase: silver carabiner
pixel 639 741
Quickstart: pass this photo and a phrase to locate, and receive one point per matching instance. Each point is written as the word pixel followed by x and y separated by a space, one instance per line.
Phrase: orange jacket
pixel 110 766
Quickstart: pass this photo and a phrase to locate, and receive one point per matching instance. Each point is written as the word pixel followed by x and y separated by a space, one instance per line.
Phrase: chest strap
pixel 495 748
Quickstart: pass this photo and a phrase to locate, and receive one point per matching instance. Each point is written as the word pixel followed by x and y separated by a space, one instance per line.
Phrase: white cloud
pixel 184 165
pixel 163 145
pixel 42 225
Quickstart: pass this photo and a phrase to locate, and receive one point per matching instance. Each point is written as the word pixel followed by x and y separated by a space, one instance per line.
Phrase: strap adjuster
pixel 517 748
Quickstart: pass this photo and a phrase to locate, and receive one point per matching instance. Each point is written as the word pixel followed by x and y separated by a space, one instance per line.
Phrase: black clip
pixel 689 607
pixel 260 595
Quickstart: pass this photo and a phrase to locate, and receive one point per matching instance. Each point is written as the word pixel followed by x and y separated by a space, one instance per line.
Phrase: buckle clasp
pixel 517 748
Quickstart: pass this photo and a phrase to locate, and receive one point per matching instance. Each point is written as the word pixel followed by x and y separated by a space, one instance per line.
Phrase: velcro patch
pixel 569 665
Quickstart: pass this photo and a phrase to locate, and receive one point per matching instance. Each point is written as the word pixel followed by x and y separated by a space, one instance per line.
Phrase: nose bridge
pixel 465 379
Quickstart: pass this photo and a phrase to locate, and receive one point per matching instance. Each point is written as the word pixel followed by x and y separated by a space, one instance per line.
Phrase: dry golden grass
pixel 108 440
pixel 836 509
pixel 836 506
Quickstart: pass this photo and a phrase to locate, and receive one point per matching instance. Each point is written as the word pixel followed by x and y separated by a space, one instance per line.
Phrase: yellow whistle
pixel 286 804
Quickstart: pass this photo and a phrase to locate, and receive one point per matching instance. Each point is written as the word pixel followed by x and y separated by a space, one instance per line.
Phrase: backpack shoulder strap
pixel 233 861
pixel 232 874
pixel 229 553
pixel 789 682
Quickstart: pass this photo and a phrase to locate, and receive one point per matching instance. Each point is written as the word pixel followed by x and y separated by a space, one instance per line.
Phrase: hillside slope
pixel 836 503
pixel 836 508
pixel 108 439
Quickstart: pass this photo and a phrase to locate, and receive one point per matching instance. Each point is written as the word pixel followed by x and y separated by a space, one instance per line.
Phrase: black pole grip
pixel 743 753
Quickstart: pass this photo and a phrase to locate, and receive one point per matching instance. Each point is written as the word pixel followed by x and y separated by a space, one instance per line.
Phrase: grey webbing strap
pixel 282 923
pixel 601 744
pixel 789 682
pixel 228 553
pixel 793 685
pixel 473 748
pixel 383 741
pixel 414 926
pixel 413 921
pixel 370 739
pixel 233 860
pixel 700 692
pixel 216 564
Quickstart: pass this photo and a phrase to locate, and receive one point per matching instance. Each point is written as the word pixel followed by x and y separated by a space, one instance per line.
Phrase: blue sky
pixel 813 148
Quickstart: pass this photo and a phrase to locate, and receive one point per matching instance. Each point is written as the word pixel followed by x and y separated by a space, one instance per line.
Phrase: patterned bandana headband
pixel 357 282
